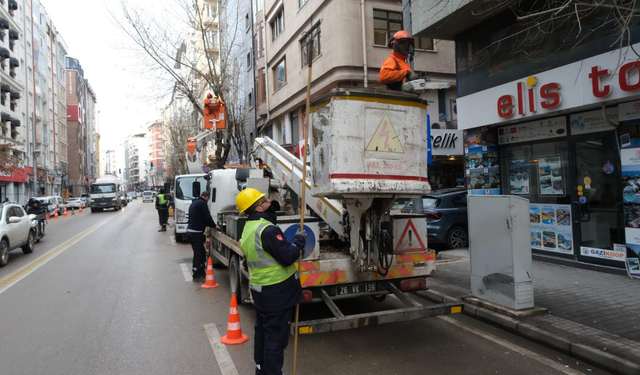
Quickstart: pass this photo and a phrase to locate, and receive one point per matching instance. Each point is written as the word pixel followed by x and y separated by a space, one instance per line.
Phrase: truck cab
pixel 188 188
pixel 106 192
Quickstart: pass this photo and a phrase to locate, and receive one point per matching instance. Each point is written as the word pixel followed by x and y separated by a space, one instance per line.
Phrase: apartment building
pixel 340 58
pixel 81 100
pixel 137 151
pixel 157 153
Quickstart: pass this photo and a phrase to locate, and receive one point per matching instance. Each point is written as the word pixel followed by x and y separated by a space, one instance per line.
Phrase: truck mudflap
pixel 340 321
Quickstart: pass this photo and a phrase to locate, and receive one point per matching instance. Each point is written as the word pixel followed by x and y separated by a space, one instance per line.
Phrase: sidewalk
pixel 594 316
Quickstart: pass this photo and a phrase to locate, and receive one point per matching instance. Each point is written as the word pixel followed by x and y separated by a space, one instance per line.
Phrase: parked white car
pixel 15 232
pixel 74 203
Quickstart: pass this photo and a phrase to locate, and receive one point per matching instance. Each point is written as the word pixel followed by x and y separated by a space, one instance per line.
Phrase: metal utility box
pixel 368 142
pixel 500 250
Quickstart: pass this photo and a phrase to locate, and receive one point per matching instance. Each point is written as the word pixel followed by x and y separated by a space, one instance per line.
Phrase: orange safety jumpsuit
pixel 394 71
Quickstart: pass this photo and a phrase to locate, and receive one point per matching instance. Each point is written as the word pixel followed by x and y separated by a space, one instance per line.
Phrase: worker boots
pixel 163 229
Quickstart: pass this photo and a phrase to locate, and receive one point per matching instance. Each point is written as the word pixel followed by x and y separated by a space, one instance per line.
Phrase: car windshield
pixel 184 187
pixel 98 189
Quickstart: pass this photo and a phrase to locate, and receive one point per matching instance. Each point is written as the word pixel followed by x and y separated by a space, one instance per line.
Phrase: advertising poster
pixel 482 165
pixel 551 228
pixel 630 159
pixel 550 175
pixel 519 179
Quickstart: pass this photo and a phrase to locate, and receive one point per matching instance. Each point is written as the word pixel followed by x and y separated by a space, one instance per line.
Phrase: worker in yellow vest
pixel 274 282
pixel 162 205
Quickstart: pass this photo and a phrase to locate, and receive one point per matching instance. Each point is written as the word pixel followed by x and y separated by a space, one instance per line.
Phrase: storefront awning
pixel 13 35
pixel 15 95
pixel 13 5
pixel 5 117
pixel 5 88
pixel 14 63
pixel 15 122
pixel 4 23
pixel 4 53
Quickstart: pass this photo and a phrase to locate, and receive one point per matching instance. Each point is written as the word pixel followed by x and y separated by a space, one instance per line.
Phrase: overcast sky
pixel 104 52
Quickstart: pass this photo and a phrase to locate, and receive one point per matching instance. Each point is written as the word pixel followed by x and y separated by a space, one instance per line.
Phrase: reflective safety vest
pixel 264 269
pixel 163 201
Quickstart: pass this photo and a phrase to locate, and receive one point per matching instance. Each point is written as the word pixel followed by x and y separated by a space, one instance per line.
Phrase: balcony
pixel 445 19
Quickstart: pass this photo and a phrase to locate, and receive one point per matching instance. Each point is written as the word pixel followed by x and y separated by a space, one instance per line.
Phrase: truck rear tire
pixel 237 284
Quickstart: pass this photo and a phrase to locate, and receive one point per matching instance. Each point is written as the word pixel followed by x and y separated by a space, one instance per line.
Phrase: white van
pixel 147 196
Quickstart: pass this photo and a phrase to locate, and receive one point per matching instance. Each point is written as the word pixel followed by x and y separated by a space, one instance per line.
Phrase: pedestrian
pixel 395 70
pixel 274 284
pixel 199 218
pixel 162 205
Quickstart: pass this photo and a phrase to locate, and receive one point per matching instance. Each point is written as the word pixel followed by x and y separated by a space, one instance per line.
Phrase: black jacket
pixel 278 297
pixel 199 216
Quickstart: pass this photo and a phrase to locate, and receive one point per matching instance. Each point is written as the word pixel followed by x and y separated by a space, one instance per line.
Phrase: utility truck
pixel 187 188
pixel 367 149
pixel 106 192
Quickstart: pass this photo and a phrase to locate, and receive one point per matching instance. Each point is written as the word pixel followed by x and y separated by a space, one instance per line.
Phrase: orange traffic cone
pixel 65 212
pixel 80 208
pixel 48 217
pixel 209 282
pixel 234 334
pixel 55 214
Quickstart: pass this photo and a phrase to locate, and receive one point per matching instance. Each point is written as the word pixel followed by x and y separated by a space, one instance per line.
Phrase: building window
pixel 246 21
pixel 248 60
pixel 277 25
pixel 258 41
pixel 280 74
pixel 249 101
pixel 313 37
pixel 302 2
pixel 386 23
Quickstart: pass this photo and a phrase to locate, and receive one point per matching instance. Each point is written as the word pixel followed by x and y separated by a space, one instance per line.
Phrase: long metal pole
pixel 35 137
pixel 303 187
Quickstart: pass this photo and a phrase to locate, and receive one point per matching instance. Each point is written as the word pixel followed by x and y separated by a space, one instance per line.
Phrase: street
pixel 105 293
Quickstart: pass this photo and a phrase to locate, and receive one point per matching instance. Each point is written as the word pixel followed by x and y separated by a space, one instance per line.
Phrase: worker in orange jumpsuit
pixel 395 70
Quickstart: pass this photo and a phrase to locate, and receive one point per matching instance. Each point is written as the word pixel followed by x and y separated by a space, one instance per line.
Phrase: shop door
pixel 597 197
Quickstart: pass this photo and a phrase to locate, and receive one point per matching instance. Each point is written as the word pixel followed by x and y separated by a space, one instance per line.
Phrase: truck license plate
pixel 356 288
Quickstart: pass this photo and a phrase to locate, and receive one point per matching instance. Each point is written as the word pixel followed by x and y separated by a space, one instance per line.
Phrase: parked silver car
pixel 16 231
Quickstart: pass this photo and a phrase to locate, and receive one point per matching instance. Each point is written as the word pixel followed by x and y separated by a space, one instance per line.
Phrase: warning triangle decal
pixel 385 138
pixel 410 240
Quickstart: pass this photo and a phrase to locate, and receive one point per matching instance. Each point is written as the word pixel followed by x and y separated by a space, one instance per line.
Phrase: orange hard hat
pixel 397 36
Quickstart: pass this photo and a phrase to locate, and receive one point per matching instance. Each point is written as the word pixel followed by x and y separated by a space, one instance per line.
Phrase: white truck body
pixel 106 192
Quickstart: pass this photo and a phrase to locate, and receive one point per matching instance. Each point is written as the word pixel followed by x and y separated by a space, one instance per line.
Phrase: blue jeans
pixel 271 339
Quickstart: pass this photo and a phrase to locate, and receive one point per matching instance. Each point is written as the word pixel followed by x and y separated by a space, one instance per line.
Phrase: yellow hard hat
pixel 247 198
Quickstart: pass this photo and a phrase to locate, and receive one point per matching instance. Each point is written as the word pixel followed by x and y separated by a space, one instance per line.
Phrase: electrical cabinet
pixel 500 250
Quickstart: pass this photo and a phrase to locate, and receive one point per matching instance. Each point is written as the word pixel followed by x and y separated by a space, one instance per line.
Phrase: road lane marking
pixel 513 347
pixel 185 272
pixel 23 272
pixel 227 367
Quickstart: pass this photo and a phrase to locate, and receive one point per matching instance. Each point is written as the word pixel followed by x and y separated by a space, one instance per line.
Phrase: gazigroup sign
pixel 605 77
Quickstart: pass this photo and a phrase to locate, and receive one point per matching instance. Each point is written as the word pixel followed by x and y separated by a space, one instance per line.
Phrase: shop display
pixel 482 164
pixel 551 227
pixel 630 158
pixel 519 178
pixel 550 175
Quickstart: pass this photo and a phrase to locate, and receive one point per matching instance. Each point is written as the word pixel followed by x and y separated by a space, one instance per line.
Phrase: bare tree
pixel 190 66
pixel 181 126
pixel 9 160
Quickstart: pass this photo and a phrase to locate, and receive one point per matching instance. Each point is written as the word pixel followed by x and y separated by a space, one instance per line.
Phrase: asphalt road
pixel 105 293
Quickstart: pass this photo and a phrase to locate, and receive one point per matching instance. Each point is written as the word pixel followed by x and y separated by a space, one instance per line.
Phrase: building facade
pixel 81 102
pixel 551 121
pixel 349 44
pixel 157 155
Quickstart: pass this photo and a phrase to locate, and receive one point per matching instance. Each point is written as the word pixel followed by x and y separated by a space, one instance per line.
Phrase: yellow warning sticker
pixel 385 138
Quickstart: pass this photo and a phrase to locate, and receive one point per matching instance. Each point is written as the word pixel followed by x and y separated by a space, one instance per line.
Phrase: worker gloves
pixel 302 233
pixel 411 76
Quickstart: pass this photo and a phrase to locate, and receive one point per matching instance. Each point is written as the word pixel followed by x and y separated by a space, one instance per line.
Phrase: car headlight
pixel 180 216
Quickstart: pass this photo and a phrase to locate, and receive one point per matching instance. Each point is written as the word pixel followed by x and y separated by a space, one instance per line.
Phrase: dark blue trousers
pixel 271 339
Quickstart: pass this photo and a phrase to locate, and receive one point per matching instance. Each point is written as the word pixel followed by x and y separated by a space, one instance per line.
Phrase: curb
pixel 604 360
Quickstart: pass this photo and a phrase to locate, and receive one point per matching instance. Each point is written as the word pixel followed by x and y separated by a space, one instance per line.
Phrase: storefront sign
pixel 446 142
pixel 618 253
pixel 605 77
pixel 629 111
pixel 551 227
pixel 593 121
pixel 532 131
